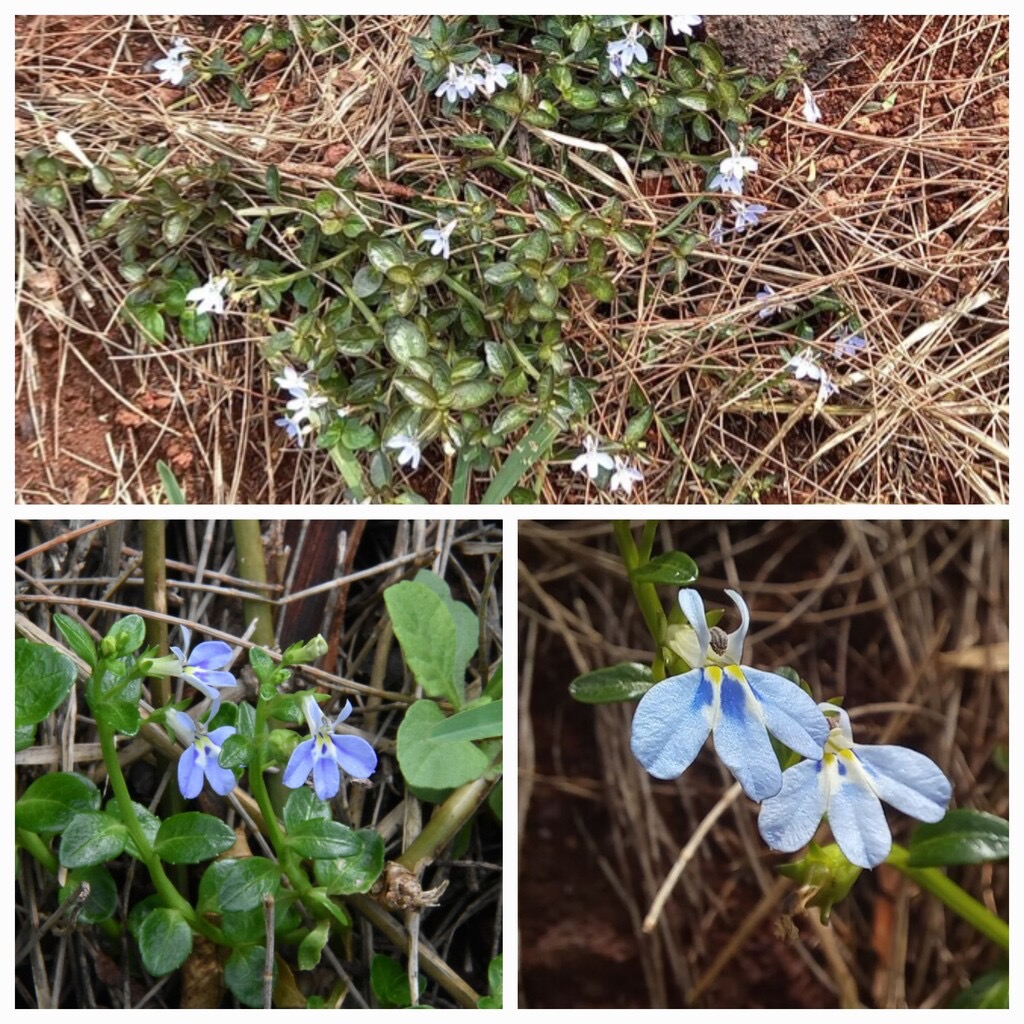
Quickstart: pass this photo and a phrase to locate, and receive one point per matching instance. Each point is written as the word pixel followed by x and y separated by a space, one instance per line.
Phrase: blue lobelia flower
pixel 327 755
pixel 848 784
pixel 737 704
pixel 201 756
pixel 202 667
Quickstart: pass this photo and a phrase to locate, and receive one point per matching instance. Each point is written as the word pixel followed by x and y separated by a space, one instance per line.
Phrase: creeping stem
pixel 967 907
pixel 164 887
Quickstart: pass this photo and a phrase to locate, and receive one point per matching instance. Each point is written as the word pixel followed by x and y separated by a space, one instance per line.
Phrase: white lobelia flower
pixel 847 345
pixel 731 172
pixel 624 477
pixel 460 83
pixel 805 367
pixel 739 706
pixel 748 215
pixel 811 111
pixel 441 237
pixel 410 450
pixel 210 296
pixel 684 24
pixel 293 381
pixel 295 430
pixel 495 76
pixel 717 232
pixel 591 461
pixel 847 783
pixel 304 407
pixel 766 310
pixel 172 68
pixel 622 52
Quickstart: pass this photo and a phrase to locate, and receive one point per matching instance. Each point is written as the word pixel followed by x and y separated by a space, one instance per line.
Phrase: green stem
pixel 646 593
pixel 249 552
pixel 317 903
pixel 31 843
pixel 967 907
pixel 164 887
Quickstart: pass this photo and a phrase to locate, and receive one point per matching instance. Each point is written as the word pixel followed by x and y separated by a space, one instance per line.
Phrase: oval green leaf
pixel 627 681
pixel 962 837
pixel 673 567
pixel 192 837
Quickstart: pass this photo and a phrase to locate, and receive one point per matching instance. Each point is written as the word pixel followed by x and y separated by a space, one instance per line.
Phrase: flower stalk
pixel 945 889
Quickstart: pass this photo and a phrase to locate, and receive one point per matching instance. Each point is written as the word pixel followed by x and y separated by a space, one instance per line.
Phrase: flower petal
pixel 190 773
pixel 222 780
pixel 355 755
pixel 183 726
pixel 671 723
pixel 911 782
pixel 210 680
pixel 326 778
pixel 210 654
pixel 741 739
pixel 693 608
pixel 790 714
pixel 734 652
pixel 344 712
pixel 856 816
pixel 220 734
pixel 300 764
pixel 789 819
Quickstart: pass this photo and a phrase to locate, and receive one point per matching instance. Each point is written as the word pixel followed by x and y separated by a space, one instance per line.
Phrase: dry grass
pixel 899 214
pixel 907 620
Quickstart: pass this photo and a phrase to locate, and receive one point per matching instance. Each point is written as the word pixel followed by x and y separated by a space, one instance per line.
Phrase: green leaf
pixel 243 974
pixel 990 992
pixel 426 632
pixel 321 837
pixel 24 737
pixel 49 803
pixel 470 394
pixel 77 636
pixel 273 183
pixel 91 838
pixel 151 321
pixel 312 946
pixel 195 328
pixel 341 876
pixel 477 143
pixel 435 764
pixel 192 837
pixel 304 805
pixel 237 752
pixel 467 626
pixel 113 696
pixel 626 681
pixel 502 273
pixel 962 837
pixel 404 340
pixel 101 902
pixel 384 254
pixel 533 446
pixel 172 489
pixel 43 678
pixel 390 983
pixel 244 882
pixel 477 723
pixel 564 205
pixel 175 228
pixel 494 800
pixel 165 941
pixel 126 636
pixel 673 567
pixel 494 972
